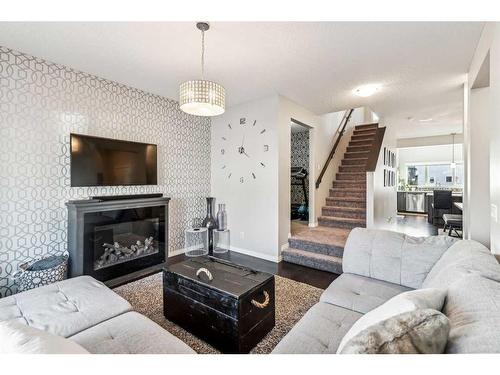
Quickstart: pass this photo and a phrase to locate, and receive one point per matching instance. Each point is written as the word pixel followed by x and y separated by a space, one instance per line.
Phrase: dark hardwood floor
pixel 319 279
pixel 414 225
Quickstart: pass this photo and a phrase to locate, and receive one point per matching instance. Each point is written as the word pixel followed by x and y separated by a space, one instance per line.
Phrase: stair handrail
pixel 340 131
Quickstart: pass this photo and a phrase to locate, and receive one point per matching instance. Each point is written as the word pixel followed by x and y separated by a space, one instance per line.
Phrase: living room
pixel 207 186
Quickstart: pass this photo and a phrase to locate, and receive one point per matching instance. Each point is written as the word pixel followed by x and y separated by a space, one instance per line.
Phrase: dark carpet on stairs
pixel 293 299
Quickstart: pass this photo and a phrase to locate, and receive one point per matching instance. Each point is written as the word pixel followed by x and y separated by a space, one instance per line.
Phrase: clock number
pixel 224 139
pixel 229 126
pixel 261 163
pixel 254 122
pixel 229 175
pixel 222 151
pixel 262 131
pixel 266 148
pixel 223 167
pixel 253 175
pixel 241 179
pixel 243 121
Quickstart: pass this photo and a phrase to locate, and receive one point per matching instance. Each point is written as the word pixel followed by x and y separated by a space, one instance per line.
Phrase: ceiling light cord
pixel 202 54
pixel 453 148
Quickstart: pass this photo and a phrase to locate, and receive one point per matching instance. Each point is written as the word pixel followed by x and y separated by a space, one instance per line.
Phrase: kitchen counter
pixel 455 193
pixel 419 201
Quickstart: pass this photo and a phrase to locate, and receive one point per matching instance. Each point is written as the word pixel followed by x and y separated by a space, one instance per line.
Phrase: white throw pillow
pixel 408 301
pixel 18 338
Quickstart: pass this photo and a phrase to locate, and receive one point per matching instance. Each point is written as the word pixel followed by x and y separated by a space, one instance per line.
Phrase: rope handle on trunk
pixel 206 272
pixel 264 304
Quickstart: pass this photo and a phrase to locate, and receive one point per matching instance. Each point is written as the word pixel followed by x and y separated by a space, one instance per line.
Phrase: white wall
pixel 286 111
pixel 252 206
pixel 495 136
pixel 489 43
pixel 259 209
pixel 381 201
pixel 479 168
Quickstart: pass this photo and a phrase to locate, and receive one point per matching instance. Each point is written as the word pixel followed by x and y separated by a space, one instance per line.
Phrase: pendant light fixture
pixel 453 164
pixel 202 97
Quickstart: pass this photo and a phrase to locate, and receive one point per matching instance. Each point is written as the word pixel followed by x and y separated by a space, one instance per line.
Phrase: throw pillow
pixel 413 332
pixel 408 301
pixel 18 338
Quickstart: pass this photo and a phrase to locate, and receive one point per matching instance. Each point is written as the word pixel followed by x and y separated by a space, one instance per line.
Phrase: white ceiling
pixel 420 65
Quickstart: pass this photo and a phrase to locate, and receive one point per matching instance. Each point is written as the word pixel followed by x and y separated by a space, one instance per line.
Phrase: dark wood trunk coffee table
pixel 229 306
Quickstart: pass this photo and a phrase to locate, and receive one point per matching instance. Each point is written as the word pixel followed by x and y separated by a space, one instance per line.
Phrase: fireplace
pixel 113 238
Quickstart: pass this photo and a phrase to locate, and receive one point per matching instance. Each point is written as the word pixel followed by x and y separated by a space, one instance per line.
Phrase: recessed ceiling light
pixel 366 90
pixel 426 119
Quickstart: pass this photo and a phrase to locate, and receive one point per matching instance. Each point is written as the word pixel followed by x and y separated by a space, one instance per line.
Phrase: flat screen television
pixel 99 161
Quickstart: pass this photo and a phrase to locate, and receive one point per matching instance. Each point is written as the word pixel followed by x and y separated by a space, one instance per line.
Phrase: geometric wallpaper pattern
pixel 299 152
pixel 41 103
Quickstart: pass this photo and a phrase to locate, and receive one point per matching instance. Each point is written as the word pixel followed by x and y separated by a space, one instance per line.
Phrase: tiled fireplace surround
pixel 41 103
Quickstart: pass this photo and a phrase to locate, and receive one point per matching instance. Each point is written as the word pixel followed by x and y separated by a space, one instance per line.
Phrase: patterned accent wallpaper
pixel 299 158
pixel 41 103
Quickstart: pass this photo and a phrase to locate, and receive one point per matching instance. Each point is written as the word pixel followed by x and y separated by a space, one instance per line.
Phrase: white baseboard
pixel 256 254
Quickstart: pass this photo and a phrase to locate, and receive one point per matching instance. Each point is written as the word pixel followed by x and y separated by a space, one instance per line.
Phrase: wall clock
pixel 243 150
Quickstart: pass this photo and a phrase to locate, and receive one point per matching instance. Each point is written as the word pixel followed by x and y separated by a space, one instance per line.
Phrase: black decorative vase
pixel 210 223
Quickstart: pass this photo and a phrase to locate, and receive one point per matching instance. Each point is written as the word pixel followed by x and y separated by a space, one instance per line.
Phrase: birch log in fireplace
pixel 112 238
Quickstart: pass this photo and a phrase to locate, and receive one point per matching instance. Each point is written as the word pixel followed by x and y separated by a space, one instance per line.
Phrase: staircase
pixel 345 208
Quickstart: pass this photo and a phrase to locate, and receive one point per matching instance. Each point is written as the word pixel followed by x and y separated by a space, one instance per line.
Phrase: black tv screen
pixel 108 162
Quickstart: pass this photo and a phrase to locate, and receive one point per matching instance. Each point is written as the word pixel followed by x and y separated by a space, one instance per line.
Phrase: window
pixel 434 175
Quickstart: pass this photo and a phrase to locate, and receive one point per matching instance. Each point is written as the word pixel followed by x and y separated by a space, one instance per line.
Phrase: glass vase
pixel 222 217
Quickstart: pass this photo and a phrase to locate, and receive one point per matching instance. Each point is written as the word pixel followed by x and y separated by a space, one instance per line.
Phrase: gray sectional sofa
pixel 380 264
pixel 84 310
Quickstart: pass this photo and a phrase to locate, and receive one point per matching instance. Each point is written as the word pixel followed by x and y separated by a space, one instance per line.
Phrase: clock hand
pixel 244 152
pixel 243 140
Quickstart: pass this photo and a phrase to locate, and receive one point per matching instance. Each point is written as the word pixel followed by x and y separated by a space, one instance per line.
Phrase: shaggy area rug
pixel 293 299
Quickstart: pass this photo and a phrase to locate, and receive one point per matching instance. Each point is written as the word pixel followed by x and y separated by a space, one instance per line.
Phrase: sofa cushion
pixel 463 258
pixel 408 301
pixel 473 308
pixel 130 333
pixel 412 332
pixel 391 256
pixel 360 293
pixel 64 308
pixel 319 331
pixel 18 338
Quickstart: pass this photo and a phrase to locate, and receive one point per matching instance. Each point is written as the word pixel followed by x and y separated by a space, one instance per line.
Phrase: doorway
pixel 300 159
